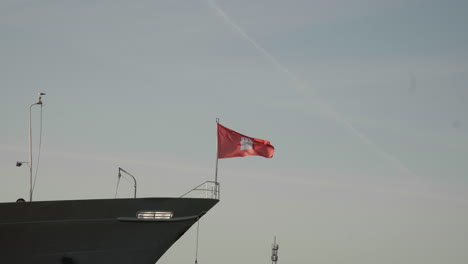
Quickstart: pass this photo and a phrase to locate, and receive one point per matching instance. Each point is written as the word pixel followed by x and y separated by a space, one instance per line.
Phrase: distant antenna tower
pixel 274 252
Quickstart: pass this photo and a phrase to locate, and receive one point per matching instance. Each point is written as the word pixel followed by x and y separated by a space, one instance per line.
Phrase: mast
pixel 39 102
pixel 217 158
pixel 274 252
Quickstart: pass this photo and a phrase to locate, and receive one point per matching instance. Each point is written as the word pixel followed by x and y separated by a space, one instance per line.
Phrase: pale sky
pixel 365 101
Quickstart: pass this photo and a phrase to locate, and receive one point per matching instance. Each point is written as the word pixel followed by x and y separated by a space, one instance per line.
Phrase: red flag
pixel 232 144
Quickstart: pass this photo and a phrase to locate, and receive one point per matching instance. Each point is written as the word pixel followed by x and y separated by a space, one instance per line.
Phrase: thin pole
pixel 216 171
pixel 217 153
pixel 117 187
pixel 39 102
pixel 135 188
pixel 134 181
pixel 196 250
pixel 30 155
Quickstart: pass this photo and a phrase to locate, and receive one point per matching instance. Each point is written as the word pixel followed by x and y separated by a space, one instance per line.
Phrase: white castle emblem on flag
pixel 246 143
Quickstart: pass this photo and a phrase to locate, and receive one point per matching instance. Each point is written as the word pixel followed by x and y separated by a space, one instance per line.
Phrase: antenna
pixel 274 252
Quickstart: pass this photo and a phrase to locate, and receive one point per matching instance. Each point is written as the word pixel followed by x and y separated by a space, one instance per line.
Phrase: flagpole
pixel 216 170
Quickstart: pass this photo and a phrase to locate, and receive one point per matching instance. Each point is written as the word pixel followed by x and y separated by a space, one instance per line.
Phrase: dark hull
pixel 94 231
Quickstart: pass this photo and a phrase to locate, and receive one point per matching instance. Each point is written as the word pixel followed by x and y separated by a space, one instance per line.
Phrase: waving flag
pixel 233 144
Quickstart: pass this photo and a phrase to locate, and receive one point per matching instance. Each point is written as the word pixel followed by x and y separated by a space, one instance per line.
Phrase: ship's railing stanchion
pixel 134 182
pixel 207 190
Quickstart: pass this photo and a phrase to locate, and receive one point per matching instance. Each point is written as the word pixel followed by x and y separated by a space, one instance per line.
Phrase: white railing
pixel 206 190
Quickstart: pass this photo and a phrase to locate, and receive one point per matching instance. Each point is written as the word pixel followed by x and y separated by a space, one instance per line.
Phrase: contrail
pixel 324 108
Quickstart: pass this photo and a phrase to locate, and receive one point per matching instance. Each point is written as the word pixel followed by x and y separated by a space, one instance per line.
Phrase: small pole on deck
pixel 134 181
